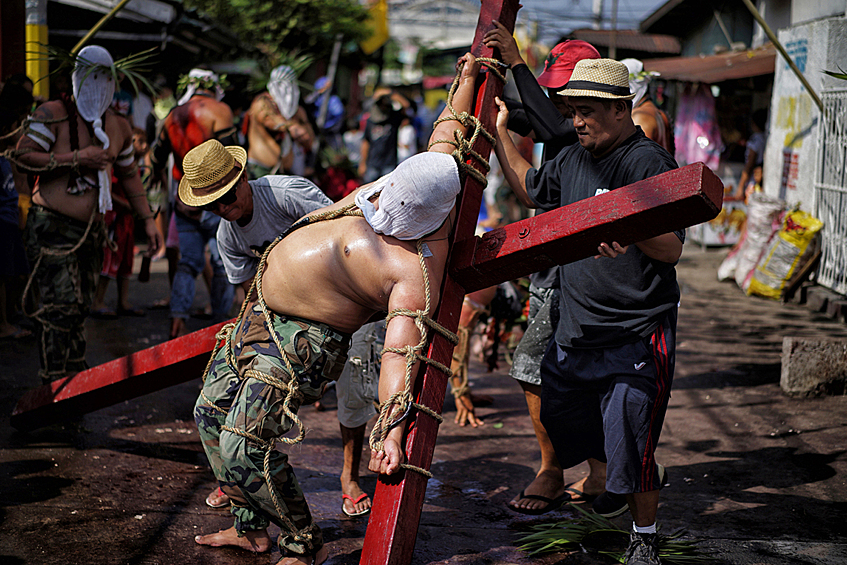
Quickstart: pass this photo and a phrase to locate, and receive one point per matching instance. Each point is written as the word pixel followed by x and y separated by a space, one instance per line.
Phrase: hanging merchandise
pixel 698 137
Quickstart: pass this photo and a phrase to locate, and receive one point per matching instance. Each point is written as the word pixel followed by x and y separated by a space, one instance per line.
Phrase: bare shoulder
pixel 51 110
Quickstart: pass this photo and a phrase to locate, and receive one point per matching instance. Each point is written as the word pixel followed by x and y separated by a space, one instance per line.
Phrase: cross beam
pixel 671 201
pixel 170 363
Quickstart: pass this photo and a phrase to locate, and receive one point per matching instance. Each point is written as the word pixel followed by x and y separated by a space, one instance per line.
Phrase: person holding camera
pixel 379 144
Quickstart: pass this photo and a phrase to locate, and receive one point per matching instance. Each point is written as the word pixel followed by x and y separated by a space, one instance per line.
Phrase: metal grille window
pixel 831 192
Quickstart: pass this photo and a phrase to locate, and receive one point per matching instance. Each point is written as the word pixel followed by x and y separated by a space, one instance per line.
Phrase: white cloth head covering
pixel 638 79
pixel 94 88
pixel 284 90
pixel 192 85
pixel 415 198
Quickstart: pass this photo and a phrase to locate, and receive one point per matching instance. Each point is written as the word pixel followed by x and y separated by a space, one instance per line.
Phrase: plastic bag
pixel 778 264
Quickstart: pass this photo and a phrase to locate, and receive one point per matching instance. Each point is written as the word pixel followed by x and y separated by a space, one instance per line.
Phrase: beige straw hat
pixel 210 170
pixel 599 78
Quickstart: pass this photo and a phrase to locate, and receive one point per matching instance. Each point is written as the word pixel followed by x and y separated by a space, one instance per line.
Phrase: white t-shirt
pixel 278 202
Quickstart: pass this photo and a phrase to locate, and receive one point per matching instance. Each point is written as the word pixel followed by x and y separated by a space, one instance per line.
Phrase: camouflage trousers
pixel 65 283
pixel 233 400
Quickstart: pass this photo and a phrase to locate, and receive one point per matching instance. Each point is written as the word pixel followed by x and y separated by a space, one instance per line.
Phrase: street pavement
pixel 755 476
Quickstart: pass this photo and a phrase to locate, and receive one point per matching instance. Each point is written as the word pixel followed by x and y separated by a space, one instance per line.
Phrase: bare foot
pixel 258 541
pixel 354 501
pixel 315 559
pixel 548 484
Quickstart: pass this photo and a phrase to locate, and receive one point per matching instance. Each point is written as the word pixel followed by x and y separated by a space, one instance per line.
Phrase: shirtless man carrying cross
pixel 317 285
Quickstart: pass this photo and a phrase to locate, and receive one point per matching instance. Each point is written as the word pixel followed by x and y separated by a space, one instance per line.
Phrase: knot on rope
pixel 462 143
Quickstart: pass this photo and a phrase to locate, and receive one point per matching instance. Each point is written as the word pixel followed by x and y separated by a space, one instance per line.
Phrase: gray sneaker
pixel 611 505
pixel 643 550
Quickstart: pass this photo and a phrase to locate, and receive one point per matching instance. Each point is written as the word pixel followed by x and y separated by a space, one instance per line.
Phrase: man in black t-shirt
pixel 606 375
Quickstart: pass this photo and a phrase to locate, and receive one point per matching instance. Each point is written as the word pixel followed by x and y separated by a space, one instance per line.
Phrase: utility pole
pixel 598 14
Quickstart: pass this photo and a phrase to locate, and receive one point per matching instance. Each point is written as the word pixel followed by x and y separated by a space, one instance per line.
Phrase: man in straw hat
pixel 72 145
pixel 200 115
pixel 382 248
pixel 606 375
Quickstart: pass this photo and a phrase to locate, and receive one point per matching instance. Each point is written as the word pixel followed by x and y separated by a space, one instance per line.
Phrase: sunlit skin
pixel 240 211
pixel 52 188
pixel 596 123
pixel 343 274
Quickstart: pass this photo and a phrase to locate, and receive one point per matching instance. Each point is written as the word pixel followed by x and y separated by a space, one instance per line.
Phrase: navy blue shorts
pixel 609 404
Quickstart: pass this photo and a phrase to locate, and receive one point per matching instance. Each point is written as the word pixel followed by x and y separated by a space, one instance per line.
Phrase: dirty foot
pixel 548 485
pixel 354 501
pixel 315 559
pixel 217 499
pixel 258 541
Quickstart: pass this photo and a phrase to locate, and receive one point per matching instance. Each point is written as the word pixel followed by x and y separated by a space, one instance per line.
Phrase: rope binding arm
pixel 398 406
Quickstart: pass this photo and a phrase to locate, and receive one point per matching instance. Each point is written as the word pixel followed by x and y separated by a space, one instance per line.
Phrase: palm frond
pixel 840 75
pixel 593 533
pixel 132 66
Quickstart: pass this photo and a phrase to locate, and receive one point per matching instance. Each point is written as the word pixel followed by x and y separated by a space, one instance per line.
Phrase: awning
pixel 716 68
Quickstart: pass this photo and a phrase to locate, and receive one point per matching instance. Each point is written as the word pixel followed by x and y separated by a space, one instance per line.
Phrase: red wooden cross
pixel 670 201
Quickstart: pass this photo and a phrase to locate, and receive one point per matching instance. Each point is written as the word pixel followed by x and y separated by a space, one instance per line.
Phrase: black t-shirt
pixel 607 302
pixel 383 139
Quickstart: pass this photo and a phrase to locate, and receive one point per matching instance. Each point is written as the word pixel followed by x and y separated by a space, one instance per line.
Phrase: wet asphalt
pixel 755 476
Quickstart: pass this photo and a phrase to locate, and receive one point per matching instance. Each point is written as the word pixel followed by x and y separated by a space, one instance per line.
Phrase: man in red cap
pixel 548 121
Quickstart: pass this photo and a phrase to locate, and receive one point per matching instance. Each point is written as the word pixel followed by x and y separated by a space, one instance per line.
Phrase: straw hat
pixel 599 78
pixel 210 170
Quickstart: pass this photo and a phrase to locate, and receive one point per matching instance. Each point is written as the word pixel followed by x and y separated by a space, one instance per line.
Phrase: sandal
pixel 222 499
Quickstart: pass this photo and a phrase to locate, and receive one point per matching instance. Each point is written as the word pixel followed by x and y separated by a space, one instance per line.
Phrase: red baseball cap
pixel 562 58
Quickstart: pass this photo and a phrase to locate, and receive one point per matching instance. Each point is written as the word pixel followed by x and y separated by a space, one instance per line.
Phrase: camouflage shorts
pixel 317 354
pixel 65 284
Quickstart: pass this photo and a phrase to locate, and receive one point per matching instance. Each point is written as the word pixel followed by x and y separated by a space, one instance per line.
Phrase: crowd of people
pixel 311 259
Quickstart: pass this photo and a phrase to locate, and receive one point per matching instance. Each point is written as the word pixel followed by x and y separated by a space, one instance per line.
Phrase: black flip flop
pixel 552 504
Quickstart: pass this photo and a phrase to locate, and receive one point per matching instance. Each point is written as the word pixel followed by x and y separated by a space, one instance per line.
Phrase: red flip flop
pixel 354 501
pixel 217 493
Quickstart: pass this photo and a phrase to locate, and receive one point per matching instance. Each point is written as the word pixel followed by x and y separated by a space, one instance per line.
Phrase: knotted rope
pixel 57 251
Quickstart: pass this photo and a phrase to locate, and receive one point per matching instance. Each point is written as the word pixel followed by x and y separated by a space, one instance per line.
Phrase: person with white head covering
pixel 329 274
pixel 279 134
pixel 73 145
pixel 200 115
pixel 652 120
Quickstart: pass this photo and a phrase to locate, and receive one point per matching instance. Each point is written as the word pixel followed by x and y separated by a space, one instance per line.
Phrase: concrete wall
pixel 808 10
pixel 794 121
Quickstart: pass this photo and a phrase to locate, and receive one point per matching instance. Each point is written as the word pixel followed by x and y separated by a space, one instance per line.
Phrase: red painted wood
pixel 398 502
pixel 170 363
pixel 671 201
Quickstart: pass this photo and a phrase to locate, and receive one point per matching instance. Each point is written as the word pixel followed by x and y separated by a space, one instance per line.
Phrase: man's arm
pixel 400 332
pixel 126 169
pixel 462 100
pixel 364 150
pixel 666 247
pixel 513 165
pixel 647 121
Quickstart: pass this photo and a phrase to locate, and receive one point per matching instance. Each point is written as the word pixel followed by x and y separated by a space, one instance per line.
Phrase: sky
pixel 556 18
